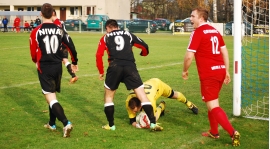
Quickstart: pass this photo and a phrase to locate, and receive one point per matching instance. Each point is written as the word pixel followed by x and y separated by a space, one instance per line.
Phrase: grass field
pixel 24 110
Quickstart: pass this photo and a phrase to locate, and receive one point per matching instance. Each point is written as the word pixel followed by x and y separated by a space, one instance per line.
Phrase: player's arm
pixel 187 62
pixel 68 43
pixel 33 46
pixel 225 56
pixel 63 26
pixel 139 43
pixel 194 43
pixel 99 54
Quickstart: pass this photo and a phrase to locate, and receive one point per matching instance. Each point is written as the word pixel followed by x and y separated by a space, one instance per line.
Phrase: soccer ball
pixel 143 120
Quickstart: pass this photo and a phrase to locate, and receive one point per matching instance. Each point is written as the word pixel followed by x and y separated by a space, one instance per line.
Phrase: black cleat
pixel 192 107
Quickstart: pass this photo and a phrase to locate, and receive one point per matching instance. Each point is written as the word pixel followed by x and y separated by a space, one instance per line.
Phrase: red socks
pixel 213 124
pixel 217 115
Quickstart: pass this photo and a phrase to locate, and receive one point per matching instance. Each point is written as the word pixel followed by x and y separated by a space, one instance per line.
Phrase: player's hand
pixel 74 68
pixel 185 75
pixel 227 79
pixel 101 76
pixel 138 125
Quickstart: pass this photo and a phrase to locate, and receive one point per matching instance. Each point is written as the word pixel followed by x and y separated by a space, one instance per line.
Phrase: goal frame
pixel 237 65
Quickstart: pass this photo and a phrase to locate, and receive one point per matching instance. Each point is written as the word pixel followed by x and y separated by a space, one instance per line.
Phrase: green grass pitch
pixel 24 109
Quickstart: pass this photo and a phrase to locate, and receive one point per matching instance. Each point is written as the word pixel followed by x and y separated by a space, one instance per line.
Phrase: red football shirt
pixel 58 22
pixel 206 42
pixel 17 22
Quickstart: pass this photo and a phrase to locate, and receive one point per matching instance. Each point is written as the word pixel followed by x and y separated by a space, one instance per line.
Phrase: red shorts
pixel 211 87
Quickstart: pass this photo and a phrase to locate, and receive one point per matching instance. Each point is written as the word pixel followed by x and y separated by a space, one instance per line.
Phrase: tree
pixel 180 9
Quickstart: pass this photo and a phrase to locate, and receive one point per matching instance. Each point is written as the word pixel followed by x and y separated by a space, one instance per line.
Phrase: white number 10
pixel 51 43
pixel 214 41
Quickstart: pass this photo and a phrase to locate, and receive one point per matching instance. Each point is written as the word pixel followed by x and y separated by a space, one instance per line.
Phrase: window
pixel 74 11
pixel 20 9
pixel 38 8
pixel 90 10
pixel 30 8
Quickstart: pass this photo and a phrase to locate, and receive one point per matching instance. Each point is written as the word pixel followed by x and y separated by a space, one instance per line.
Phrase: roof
pixel 19 13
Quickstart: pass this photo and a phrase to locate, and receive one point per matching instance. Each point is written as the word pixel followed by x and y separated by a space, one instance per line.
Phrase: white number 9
pixel 119 41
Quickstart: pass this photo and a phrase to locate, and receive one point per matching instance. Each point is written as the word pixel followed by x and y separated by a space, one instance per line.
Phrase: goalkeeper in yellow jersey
pixel 154 88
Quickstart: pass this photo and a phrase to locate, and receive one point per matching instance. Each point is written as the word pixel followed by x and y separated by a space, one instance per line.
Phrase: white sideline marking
pixel 87 75
pixel 14 48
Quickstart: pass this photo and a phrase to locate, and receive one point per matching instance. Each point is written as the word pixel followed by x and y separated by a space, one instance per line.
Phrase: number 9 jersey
pixel 45 45
pixel 206 42
pixel 118 44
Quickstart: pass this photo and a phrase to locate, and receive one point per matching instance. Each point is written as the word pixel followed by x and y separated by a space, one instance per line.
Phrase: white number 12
pixel 214 41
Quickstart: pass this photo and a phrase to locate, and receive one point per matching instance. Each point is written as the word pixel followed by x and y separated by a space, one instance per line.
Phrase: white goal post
pixel 251 59
pixel 237 48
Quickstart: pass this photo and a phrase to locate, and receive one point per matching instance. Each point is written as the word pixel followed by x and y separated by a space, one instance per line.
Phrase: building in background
pixel 73 9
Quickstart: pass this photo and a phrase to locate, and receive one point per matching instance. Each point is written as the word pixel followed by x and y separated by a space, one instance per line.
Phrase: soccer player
pixel 154 88
pixel 17 22
pixel 122 68
pixel 45 48
pixel 65 49
pixel 212 61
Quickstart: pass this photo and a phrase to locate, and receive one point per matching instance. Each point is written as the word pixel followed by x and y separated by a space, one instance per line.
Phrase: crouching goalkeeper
pixel 154 88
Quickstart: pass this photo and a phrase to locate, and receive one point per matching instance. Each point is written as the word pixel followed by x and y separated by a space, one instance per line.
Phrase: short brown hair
pixel 202 12
pixel 47 10
pixel 134 102
pixel 111 23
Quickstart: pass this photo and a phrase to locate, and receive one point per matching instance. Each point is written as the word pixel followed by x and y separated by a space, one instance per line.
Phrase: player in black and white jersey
pixel 65 49
pixel 122 68
pixel 45 48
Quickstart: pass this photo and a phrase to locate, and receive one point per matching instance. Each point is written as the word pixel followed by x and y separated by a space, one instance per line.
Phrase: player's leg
pixel 58 111
pixel 146 104
pixel 51 124
pixel 18 29
pixel 210 91
pixel 166 91
pixel 160 110
pixel 74 78
pixel 50 80
pixel 133 81
pixel 181 98
pixel 109 108
pixel 112 81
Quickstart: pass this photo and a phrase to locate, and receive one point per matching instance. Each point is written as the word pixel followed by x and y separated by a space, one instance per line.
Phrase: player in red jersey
pixel 65 49
pixel 212 61
pixel 17 22
pixel 45 48
pixel 122 68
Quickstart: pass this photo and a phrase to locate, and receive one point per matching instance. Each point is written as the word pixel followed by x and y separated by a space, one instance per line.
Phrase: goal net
pixel 255 59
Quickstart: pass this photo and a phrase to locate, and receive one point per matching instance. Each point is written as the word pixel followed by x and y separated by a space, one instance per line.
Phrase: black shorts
pixel 50 78
pixel 127 74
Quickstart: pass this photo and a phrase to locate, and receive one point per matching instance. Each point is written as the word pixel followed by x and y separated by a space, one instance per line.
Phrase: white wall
pixel 219 27
pixel 116 9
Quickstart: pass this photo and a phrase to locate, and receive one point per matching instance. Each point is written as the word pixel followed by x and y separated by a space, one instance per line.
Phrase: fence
pixel 23 15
